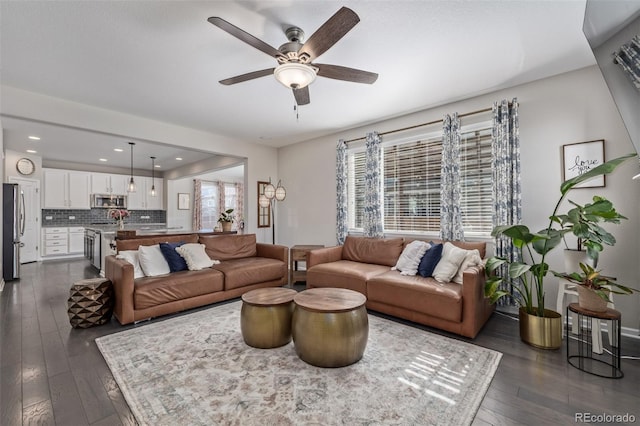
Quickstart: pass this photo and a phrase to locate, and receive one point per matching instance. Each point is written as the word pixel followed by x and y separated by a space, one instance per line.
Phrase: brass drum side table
pixel 265 317
pixel 90 302
pixel 580 352
pixel 330 326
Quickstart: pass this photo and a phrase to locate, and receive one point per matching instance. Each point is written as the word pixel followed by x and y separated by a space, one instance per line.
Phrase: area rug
pixel 197 370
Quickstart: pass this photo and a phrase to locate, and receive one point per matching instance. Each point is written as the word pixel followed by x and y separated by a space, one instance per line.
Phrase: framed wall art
pixel 579 158
pixel 184 201
pixel 264 213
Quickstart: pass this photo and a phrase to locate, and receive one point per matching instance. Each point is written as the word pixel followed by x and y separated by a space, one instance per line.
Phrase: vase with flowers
pixel 118 215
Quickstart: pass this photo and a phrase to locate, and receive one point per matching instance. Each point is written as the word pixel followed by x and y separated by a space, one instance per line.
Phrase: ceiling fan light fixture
pixel 295 75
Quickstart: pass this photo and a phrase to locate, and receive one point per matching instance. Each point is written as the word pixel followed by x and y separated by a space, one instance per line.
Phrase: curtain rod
pixel 423 124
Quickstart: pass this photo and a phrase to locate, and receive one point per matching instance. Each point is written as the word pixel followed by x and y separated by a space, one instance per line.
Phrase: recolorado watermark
pixel 604 418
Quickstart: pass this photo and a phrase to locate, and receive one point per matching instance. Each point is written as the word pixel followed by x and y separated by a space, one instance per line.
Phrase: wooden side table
pixel 580 353
pixel 297 254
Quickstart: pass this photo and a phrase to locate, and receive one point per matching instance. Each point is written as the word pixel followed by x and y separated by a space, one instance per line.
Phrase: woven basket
pixel 589 299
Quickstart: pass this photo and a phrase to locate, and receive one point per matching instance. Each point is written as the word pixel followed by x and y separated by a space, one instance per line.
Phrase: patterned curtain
pixel 341 192
pixel 196 219
pixel 450 217
pixel 240 206
pixel 221 197
pixel 505 165
pixel 628 57
pixel 372 217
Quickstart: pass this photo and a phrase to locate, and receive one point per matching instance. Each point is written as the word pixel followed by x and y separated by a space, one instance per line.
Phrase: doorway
pixel 30 197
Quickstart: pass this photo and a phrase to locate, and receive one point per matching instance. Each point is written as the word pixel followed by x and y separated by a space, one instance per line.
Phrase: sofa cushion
pixel 410 258
pixel 430 260
pixel 226 247
pixel 195 256
pixel 418 294
pixel 152 261
pixel 447 268
pixel 344 274
pixel 134 243
pixel 248 271
pixel 153 291
pixel 472 258
pixel 173 258
pixel 131 256
pixel 379 251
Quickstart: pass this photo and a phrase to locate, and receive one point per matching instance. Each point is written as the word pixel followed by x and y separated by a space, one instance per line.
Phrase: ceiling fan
pixel 296 69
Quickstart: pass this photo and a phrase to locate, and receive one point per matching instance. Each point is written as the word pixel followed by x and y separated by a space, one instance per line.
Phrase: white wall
pixel 569 108
pixel 261 160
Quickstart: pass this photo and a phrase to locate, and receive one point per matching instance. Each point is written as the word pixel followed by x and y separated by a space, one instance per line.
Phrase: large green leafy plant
pixel 525 275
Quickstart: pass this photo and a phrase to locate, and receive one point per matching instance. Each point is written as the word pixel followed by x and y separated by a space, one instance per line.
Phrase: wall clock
pixel 25 166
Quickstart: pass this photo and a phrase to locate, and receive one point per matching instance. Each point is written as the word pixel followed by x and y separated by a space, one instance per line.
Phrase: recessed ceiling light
pixel 179 158
pixel 31 151
pixel 102 159
pixel 118 149
pixel 157 166
pixel 34 138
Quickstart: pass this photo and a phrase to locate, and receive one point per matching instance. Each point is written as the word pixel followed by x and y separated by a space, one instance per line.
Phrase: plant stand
pixel 580 352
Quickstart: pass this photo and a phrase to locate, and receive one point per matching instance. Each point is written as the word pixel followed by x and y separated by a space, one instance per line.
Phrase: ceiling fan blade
pixel 302 96
pixel 245 36
pixel 247 76
pixel 329 33
pixel 347 74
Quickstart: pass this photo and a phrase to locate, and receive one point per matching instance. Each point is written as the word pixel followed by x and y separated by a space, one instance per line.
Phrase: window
pixel 209 204
pixel 411 183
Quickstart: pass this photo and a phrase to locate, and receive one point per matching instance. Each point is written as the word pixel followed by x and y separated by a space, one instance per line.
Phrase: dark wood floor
pixel 53 374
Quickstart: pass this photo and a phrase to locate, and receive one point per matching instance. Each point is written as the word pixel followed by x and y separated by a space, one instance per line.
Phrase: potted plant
pixel 226 220
pixel 593 288
pixel 525 274
pixel 583 221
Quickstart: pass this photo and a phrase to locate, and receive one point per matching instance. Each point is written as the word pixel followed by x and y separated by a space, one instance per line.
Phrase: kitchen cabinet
pixel 66 189
pixel 105 183
pixel 142 199
pixel 76 239
pixel 59 241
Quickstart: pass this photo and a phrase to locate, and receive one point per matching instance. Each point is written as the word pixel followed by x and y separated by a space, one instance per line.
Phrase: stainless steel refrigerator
pixel 12 230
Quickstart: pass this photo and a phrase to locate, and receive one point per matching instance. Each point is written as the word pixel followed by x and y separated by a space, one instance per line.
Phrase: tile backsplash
pixel 60 217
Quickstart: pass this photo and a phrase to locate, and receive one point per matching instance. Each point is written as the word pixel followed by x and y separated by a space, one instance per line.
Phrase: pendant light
pixel 132 184
pixel 153 176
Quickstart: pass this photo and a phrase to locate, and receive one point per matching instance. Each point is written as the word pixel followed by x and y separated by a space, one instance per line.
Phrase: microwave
pixel 109 201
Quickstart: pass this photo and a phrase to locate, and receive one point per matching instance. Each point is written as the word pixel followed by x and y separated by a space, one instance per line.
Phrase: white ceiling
pixel 163 60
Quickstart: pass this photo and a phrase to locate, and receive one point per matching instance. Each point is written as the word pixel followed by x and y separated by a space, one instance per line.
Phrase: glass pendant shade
pixel 270 191
pixel 153 176
pixel 132 185
pixel 263 201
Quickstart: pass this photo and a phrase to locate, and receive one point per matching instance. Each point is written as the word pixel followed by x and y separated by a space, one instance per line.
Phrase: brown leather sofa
pixel 244 265
pixel 364 265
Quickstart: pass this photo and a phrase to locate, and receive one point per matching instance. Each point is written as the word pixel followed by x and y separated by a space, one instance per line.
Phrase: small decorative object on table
pixel 118 215
pixel 226 220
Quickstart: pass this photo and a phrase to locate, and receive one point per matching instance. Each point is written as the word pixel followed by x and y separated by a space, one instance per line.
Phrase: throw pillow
pixel 131 256
pixel 472 258
pixel 195 256
pixel 152 261
pixel 173 258
pixel 449 264
pixel 410 258
pixel 430 260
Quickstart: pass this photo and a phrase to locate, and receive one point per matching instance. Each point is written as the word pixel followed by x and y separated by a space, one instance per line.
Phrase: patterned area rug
pixel 197 370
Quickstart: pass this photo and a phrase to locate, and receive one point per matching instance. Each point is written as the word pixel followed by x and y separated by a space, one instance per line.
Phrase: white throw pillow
pixel 195 256
pixel 152 261
pixel 447 268
pixel 131 256
pixel 410 258
pixel 471 259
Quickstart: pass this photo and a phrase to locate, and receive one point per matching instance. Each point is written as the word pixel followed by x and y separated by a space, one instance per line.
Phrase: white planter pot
pixel 573 259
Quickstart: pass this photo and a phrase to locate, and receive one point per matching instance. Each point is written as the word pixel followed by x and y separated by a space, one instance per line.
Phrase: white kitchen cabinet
pixel 105 183
pixel 66 189
pixel 142 199
pixel 55 241
pixel 76 239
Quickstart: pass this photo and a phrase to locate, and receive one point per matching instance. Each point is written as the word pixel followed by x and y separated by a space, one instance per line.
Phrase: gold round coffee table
pixel 265 317
pixel 330 326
